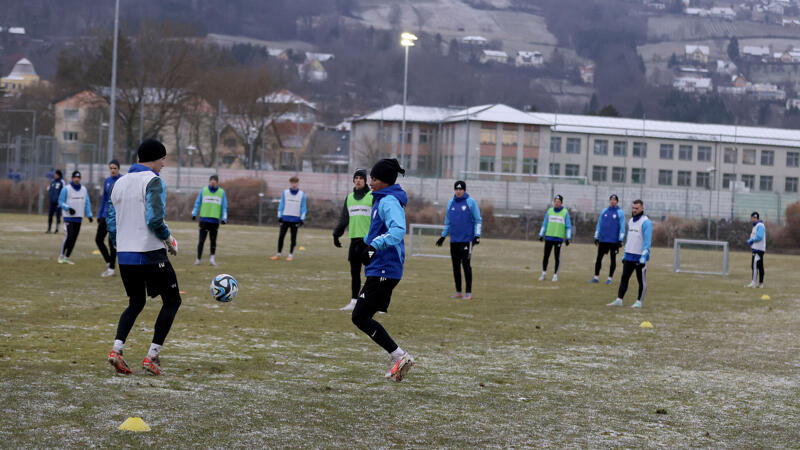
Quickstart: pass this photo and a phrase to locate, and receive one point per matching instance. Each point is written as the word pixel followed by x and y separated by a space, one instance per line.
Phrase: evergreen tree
pixel 733 49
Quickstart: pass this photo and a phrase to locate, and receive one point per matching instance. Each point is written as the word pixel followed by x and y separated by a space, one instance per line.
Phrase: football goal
pixel 705 257
pixel 422 241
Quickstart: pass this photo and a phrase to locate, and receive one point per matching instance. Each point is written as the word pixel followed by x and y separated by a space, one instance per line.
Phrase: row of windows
pixel 508 164
pixel 731 156
pixel 425 136
pixel 683 178
pixel 509 137
pixel 765 182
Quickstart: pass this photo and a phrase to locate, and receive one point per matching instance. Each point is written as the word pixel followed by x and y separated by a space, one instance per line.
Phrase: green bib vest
pixel 556 223
pixel 359 211
pixel 211 205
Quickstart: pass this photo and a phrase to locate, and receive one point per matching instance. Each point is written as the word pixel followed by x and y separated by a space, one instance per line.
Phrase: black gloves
pixel 596 242
pixel 280 219
pixel 567 242
pixel 301 223
pixel 619 244
pixel 224 222
pixel 367 255
pixel 336 241
pixel 194 217
pixel 476 241
pixel 440 241
pixel 91 220
pixel 72 211
pixel 541 238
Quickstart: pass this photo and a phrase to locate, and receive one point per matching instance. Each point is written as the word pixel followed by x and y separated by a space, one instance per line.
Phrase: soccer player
pixel 138 231
pixel 556 229
pixel 53 193
pixel 637 253
pixel 356 217
pixel 608 237
pixel 383 258
pixel 212 205
pixel 102 229
pixel 758 244
pixel 462 222
pixel 291 215
pixel 74 200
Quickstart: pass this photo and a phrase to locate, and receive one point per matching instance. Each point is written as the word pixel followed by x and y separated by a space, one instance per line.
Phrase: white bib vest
pixel 128 198
pixel 635 243
pixel 762 244
pixel 292 202
pixel 76 200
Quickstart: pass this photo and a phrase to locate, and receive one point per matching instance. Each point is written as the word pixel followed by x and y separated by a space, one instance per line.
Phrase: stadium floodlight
pixel 422 238
pixel 700 256
pixel 406 40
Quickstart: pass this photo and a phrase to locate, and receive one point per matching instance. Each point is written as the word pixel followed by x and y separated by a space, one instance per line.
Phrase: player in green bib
pixel 356 217
pixel 212 206
pixel 556 228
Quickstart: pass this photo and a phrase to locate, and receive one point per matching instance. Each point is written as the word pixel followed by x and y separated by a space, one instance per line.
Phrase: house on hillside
pixel 22 75
pixel 478 41
pixel 726 67
pixel 587 73
pixel 496 56
pixel 693 85
pixel 723 13
pixel 321 57
pixel 290 107
pixel 280 53
pixel 697 12
pixel 755 51
pixel 526 58
pixel 697 53
pixel 312 71
pixel 793 103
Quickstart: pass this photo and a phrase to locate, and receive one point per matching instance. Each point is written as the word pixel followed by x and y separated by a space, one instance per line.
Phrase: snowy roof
pixel 722 10
pixel 495 53
pixel 16 30
pixel 423 114
pixel 474 39
pixel 275 51
pixel 22 68
pixel 700 83
pixel 529 54
pixel 322 57
pixel 692 48
pixel 496 113
pixel 286 96
pixel 755 50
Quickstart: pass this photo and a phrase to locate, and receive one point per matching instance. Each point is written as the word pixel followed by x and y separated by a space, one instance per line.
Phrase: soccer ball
pixel 224 287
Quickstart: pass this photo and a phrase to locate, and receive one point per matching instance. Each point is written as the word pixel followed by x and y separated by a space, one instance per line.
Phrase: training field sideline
pixel 525 363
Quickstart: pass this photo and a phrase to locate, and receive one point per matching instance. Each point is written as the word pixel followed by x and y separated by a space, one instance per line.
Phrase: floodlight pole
pixel 406 40
pixel 113 114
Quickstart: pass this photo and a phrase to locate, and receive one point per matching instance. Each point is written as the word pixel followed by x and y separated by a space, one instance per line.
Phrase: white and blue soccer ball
pixel 224 288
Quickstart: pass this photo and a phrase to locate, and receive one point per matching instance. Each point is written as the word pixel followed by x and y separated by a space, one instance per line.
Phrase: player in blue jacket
pixel 637 253
pixel 758 245
pixel 74 200
pixel 102 230
pixel 53 193
pixel 291 215
pixel 462 221
pixel 212 207
pixel 608 237
pixel 556 228
pixel 383 260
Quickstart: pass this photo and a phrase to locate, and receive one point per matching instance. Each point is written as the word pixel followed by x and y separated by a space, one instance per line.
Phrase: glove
pixel 301 223
pixel 367 255
pixel 171 244
pixel 336 242
pixel 91 220
pixel 642 260
pixel 224 222
pixel 280 219
pixel 541 238
pixel 72 211
pixel 440 241
pixel 596 242
pixel 619 245
pixel 194 217
pixel 476 241
pixel 567 242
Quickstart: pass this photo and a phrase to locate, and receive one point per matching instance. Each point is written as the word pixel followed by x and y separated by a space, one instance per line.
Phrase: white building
pixel 697 53
pixel 525 58
pixel 475 40
pixel 692 84
pixel 755 51
pixel 497 56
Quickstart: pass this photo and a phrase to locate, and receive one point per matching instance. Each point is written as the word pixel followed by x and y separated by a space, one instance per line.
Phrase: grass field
pixel 525 363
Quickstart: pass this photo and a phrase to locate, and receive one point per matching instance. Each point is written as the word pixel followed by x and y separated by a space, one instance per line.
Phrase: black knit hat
pixel 58 172
pixel 614 196
pixel 460 185
pixel 360 173
pixel 386 170
pixel 151 150
pixel 76 174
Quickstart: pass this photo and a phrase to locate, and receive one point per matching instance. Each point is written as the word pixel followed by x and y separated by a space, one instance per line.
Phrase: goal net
pixel 422 241
pixel 697 256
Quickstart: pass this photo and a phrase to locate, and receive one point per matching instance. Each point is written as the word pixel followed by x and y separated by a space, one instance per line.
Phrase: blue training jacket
pixel 107 185
pixel 199 202
pixel 292 219
pixel 386 233
pixel 567 225
pixel 62 202
pixel 611 226
pixel 647 237
pixel 462 219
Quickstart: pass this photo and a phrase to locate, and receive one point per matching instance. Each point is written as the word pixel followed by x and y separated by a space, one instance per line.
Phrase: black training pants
pixel 602 249
pixel 460 255
pixel 99 238
pixel 149 279
pixel 73 229
pixel 357 247
pixel 286 226
pixel 210 229
pixel 55 210
pixel 375 296
pixel 548 247
pixel 757 264
pixel 628 267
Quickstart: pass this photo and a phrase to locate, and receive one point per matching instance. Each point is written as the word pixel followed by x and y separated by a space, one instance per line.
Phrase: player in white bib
pixel 758 244
pixel 637 253
pixel 291 215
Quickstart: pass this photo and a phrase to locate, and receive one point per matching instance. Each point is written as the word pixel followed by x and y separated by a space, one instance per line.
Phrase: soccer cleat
pixel 555 277
pixel 212 261
pixel 457 295
pixel 541 277
pixel 637 304
pixel 400 368
pixel 751 285
pixel 152 365
pixel 761 286
pixel 617 302
pixel 289 258
pixel 67 261
pixel 108 272
pixel 594 280
pixel 350 306
pixel 197 262
pixel 608 281
pixel 47 232
pixel 275 258
pixel 118 362
pixel 468 296
pixel 61 259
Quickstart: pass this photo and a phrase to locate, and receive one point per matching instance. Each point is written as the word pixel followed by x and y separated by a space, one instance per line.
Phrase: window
pixel 727 180
pixel 555 169
pixel 555 144
pixel 599 174
pixel 666 150
pixel 530 138
pixel 571 170
pixel 71 115
pixel 640 149
pixel 765 183
pixel 791 184
pixel 618 174
pixel 638 175
pixel 684 178
pixel 487 164
pixel 408 134
pixel 749 181
pixel 425 136
pixel 703 153
pixel 387 134
pixel 685 152
pixel 424 163
pixel 600 147
pixel 793 159
pixel 229 142
pixel 665 177
pixel 767 157
pixel 488 135
pixel 70 136
pixel 573 145
pixel 287 160
pixel 621 148
pixel 730 156
pixel 703 180
pixel 749 156
pixel 530 166
pixel 509 137
pixel 509 163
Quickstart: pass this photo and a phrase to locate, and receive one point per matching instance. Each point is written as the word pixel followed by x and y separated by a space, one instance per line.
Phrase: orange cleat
pixel 152 365
pixel 275 258
pixel 119 363
pixel 400 368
